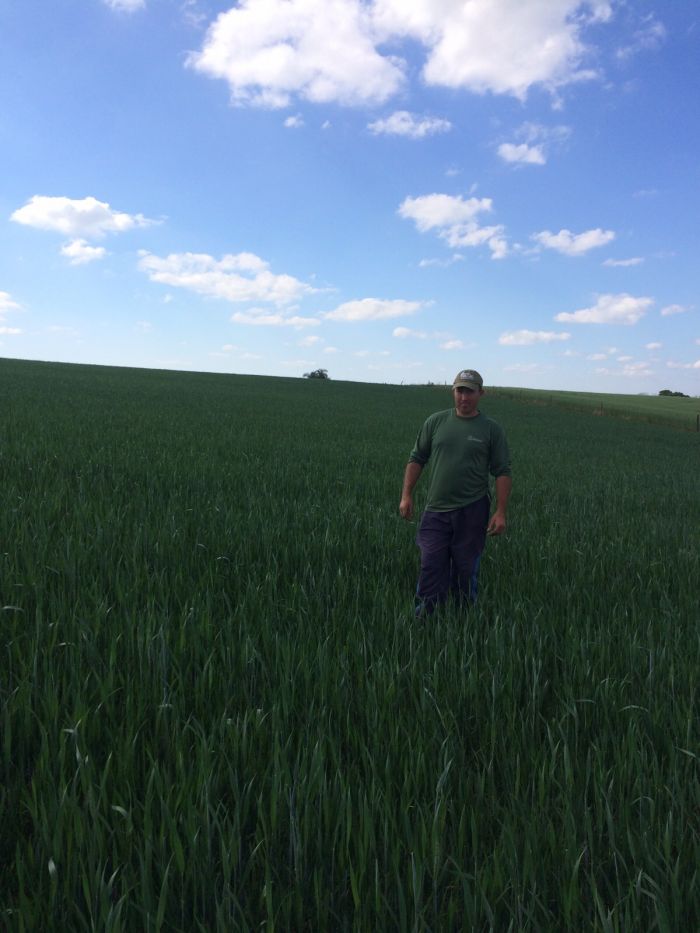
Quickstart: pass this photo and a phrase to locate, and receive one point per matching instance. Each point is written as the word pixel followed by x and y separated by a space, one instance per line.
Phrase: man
pixel 464 447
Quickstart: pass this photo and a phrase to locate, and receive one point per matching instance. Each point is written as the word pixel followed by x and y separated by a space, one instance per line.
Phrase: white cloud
pixel 79 252
pixel 528 155
pixel 309 341
pixel 653 346
pixel 373 309
pixel 597 356
pixel 623 263
pixel 629 370
pixel 295 122
pixel 441 263
pixel 649 37
pixel 674 309
pixel 403 123
pixel 574 244
pixel 672 365
pixel 501 46
pixel 235 277
pixel 125 6
pixel 636 369
pixel 609 309
pixel 7 304
pixel 79 218
pixel 144 327
pixel 525 338
pixel 403 332
pixel 455 220
pixel 443 211
pixel 330 350
pixel 272 51
pixel 533 142
pixel 452 345
pixel 260 318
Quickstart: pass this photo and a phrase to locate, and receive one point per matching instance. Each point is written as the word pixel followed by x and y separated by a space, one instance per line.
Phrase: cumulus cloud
pixel 649 37
pixel 452 345
pixel 347 51
pixel 523 153
pixel 238 277
pixel 525 338
pixel 533 142
pixel 373 309
pixel 404 332
pixel 7 304
pixel 309 341
pixel 259 317
pixel 629 370
pixel 455 220
pixel 653 346
pixel 79 252
pixel 623 263
pixel 574 244
pixel 503 47
pixel 672 365
pixel 403 123
pixel 674 309
pixel 85 218
pixel 295 122
pixel 271 51
pixel 441 263
pixel 609 309
pixel 125 6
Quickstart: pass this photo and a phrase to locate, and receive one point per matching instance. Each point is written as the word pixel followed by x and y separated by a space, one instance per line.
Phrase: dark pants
pixel 450 545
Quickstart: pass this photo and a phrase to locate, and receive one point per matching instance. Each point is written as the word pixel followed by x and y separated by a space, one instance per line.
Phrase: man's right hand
pixel 406 507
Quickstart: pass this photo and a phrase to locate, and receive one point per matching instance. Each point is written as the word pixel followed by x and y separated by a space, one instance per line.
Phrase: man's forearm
pixel 504 484
pixel 410 478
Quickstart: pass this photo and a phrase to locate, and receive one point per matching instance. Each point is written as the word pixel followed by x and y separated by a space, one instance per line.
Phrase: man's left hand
pixel 497 525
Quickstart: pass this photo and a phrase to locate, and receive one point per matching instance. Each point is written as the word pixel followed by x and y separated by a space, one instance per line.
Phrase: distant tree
pixel 668 392
pixel 317 374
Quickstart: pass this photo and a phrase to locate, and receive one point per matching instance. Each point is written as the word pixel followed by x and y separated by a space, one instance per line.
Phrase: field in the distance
pixel 681 412
pixel 217 712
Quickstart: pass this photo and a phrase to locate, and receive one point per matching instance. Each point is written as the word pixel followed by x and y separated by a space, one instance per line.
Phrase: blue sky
pixel 392 190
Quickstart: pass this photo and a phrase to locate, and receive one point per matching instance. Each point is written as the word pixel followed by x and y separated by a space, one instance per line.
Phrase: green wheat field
pixel 218 714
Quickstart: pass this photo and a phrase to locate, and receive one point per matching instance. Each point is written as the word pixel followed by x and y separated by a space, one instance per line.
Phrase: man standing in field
pixel 464 447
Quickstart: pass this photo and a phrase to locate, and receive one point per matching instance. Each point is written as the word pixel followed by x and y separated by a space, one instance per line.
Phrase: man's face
pixel 466 400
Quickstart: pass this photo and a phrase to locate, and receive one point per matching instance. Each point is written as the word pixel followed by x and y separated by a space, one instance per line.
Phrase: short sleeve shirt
pixel 463 453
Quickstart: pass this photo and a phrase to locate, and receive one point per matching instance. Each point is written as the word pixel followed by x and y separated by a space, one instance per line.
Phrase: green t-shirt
pixel 462 453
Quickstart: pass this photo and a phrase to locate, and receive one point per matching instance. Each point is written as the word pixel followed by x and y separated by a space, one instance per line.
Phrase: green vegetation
pixel 217 712
pixel 672 409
